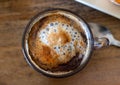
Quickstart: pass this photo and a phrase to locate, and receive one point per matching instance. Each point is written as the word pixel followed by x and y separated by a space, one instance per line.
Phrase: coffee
pixel 57 42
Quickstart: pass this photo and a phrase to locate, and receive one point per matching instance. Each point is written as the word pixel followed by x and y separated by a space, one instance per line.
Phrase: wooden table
pixel 102 69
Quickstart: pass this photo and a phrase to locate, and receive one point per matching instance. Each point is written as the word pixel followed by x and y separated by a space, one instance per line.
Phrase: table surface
pixel 102 69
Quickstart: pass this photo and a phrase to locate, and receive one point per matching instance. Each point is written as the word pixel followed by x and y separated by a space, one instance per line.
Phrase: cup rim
pixel 89 36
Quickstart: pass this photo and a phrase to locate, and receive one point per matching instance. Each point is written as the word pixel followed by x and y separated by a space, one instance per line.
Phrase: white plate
pixel 105 6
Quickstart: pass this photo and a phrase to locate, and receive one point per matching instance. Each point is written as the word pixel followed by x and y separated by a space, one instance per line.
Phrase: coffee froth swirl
pixel 56 42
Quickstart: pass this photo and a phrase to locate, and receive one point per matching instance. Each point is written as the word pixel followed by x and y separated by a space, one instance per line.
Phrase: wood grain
pixel 102 69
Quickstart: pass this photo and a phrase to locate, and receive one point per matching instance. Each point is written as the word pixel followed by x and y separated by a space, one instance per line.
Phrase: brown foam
pixel 44 55
pixel 62 35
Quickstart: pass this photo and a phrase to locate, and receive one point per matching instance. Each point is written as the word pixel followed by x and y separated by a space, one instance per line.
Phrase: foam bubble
pixel 68 49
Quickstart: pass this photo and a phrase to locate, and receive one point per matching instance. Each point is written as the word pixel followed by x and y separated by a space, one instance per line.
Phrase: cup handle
pixel 100 42
pixel 102 36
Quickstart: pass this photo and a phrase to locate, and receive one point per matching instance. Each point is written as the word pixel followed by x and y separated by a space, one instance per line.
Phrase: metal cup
pixel 92 41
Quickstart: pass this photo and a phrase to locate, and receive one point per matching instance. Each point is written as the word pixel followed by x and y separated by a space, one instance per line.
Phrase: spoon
pixel 102 36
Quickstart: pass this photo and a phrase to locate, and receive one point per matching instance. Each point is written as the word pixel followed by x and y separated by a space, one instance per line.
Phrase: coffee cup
pixel 59 43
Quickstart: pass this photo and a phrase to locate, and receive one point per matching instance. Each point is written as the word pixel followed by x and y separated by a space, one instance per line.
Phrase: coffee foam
pixel 63 50
pixel 57 42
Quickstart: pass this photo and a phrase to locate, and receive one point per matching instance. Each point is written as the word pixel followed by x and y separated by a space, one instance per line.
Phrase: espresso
pixel 57 43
